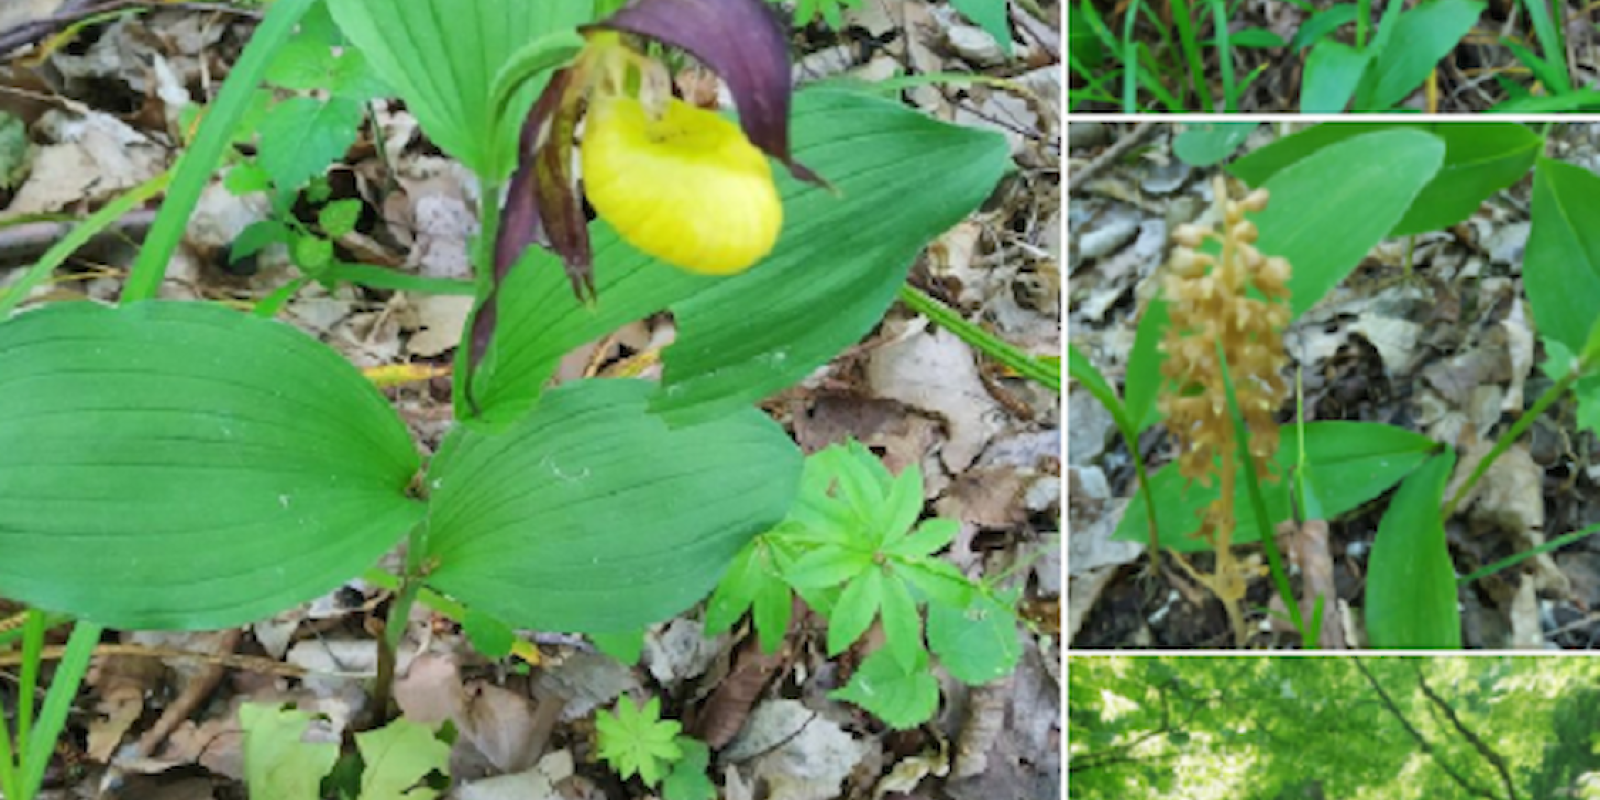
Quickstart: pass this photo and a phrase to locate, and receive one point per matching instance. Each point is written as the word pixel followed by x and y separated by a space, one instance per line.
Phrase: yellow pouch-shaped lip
pixel 687 188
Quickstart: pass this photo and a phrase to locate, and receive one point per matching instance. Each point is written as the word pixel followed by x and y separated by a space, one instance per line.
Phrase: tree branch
pixel 1478 743
pixel 1422 742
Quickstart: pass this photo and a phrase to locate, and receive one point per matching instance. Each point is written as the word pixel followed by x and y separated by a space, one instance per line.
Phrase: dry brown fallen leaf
pixel 1307 547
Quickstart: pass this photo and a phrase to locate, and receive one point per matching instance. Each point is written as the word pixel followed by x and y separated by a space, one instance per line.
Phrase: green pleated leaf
pixel 1561 266
pixel 1411 582
pixel 1423 35
pixel 442 57
pixel 591 515
pixel 1333 71
pixel 835 269
pixel 181 465
pixel 1309 220
pixel 1350 463
pixel 1480 158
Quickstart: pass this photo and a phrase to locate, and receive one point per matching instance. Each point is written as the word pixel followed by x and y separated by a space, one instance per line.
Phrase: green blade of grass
pixel 1130 61
pixel 1576 100
pixel 1230 92
pixel 1549 74
pixel 1181 12
pixel 76 238
pixel 58 701
pixel 1511 561
pixel 1551 42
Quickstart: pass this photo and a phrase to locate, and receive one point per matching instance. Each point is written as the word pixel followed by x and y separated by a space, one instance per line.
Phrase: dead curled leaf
pixel 724 714
pixel 1307 548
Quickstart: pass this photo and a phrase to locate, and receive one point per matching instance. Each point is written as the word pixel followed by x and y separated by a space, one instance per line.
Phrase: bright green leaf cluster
pixel 637 741
pixel 852 547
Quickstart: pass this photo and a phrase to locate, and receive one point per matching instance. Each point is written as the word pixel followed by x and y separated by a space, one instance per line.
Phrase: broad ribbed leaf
pixel 1411 583
pixel 1333 70
pixel 181 465
pixel 1480 158
pixel 591 515
pixel 1309 220
pixel 835 270
pixel 442 56
pixel 1561 266
pixel 1424 35
pixel 1350 463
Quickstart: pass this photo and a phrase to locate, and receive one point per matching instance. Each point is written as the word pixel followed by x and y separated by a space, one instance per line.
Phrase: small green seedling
pixel 637 741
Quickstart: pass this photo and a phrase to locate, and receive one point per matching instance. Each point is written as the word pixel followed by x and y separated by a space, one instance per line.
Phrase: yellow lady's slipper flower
pixel 677 182
pixel 686 187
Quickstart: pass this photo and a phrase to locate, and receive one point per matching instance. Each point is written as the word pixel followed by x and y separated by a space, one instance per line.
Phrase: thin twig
pixel 249 663
pixel 75 11
pixel 195 693
pixel 1079 178
pixel 24 242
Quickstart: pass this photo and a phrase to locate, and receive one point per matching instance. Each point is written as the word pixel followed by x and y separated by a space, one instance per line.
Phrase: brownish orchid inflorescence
pixel 1210 302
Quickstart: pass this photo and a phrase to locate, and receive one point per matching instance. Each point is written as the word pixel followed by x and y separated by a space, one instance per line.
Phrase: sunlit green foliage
pixel 1288 728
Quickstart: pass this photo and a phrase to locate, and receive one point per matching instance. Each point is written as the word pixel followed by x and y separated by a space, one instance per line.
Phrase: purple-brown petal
pixel 561 214
pixel 524 220
pixel 744 43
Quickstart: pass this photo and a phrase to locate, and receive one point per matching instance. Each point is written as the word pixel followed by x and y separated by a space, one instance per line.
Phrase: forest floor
pixel 101 104
pixel 1448 352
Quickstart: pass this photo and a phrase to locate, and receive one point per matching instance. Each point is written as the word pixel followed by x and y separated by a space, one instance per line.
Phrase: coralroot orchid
pixel 678 182
pixel 1213 316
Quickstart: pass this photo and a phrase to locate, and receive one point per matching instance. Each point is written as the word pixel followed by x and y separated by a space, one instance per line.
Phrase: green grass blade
pixel 1230 92
pixel 76 238
pixel 1576 100
pixel 1551 42
pixel 1511 561
pixel 58 700
pixel 1258 503
pixel 1130 61
pixel 33 628
pixel 1191 51
pixel 216 134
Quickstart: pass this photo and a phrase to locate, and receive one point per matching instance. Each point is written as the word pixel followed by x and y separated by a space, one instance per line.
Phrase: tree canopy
pixel 1333 728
